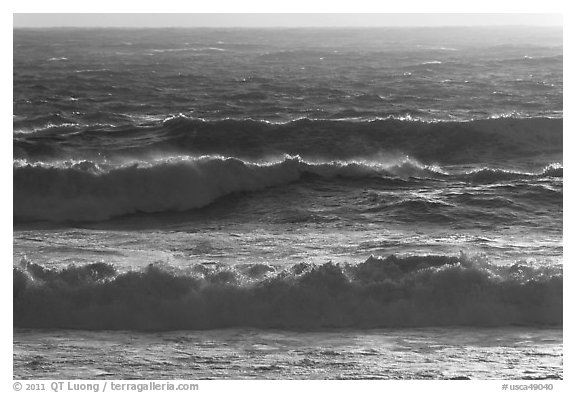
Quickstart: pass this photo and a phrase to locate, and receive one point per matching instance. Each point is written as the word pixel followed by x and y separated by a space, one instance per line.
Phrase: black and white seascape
pixel 327 203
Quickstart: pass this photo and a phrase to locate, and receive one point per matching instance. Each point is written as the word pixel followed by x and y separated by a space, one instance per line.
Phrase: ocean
pixel 324 203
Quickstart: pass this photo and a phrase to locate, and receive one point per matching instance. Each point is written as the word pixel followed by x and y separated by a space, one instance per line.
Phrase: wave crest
pixel 445 142
pixel 90 191
pixel 488 175
pixel 87 191
pixel 390 292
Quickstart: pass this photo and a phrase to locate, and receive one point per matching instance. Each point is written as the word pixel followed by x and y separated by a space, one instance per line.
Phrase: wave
pixel 380 292
pixel 86 191
pixel 442 142
pixel 89 191
pixel 488 175
pixel 38 123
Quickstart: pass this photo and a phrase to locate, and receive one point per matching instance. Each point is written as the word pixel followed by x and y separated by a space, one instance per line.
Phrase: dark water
pixel 172 179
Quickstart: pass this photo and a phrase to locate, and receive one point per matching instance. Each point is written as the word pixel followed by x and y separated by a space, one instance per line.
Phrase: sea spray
pixel 430 142
pixel 91 191
pixel 391 292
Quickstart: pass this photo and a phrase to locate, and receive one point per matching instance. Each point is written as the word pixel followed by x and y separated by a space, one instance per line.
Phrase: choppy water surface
pixel 447 353
pixel 324 203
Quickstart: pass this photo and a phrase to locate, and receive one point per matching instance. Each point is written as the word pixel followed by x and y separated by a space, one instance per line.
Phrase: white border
pixel 302 6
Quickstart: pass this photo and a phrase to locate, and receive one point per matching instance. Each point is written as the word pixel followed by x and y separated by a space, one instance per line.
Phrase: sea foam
pixel 380 292
pixel 91 191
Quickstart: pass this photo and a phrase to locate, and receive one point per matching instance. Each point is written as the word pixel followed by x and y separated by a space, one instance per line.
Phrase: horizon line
pixel 291 27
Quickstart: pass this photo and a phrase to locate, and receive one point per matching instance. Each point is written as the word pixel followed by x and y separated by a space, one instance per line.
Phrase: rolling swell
pixel 391 292
pixel 489 175
pixel 87 191
pixel 443 142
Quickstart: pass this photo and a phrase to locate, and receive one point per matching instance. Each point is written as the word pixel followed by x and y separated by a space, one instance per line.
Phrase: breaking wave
pixel 391 292
pixel 442 142
pixel 488 175
pixel 87 191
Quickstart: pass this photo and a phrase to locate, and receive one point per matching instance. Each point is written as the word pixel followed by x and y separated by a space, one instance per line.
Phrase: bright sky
pixel 280 20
